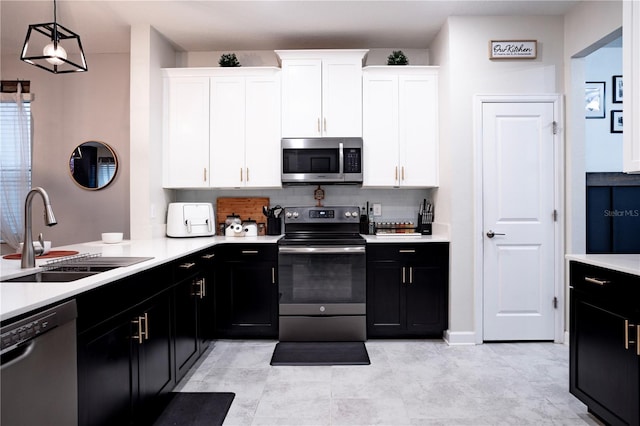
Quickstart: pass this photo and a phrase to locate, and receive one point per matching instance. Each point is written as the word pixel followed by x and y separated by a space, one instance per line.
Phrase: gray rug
pixel 196 409
pixel 320 353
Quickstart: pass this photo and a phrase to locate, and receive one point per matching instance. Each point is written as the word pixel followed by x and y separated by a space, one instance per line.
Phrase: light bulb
pixel 59 52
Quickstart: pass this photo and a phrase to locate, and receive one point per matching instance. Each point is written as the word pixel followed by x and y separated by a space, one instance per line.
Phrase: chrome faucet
pixel 28 252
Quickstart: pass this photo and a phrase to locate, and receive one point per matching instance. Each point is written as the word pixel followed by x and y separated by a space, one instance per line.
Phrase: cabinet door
pixel 227 132
pixel 418 129
pixel 155 362
pixel 301 98
pixel 341 97
pixel 385 300
pixel 380 129
pixel 262 132
pixel 104 375
pixel 186 132
pixel 426 301
pixel 246 299
pixel 186 324
pixel 603 374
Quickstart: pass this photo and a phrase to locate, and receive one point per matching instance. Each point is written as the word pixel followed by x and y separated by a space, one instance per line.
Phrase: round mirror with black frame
pixel 93 165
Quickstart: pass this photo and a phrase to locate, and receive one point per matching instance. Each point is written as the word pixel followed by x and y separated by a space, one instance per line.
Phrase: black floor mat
pixel 196 409
pixel 320 353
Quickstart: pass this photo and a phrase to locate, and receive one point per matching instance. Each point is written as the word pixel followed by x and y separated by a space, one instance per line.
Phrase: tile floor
pixel 421 382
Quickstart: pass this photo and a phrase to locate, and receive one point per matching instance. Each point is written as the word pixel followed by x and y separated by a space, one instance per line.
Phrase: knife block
pixel 425 228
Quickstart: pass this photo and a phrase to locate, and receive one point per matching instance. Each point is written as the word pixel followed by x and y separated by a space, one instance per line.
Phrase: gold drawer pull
pixel 187 265
pixel 208 256
pixel 596 281
pixel 407 251
pixel 249 251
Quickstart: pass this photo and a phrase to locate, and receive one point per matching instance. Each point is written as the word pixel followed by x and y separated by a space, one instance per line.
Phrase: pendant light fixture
pixel 54 48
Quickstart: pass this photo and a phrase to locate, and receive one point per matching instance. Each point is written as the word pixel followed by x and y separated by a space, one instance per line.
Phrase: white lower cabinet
pixel 221 127
pixel 400 126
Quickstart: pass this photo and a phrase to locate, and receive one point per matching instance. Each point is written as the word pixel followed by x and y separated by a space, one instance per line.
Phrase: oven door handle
pixel 323 250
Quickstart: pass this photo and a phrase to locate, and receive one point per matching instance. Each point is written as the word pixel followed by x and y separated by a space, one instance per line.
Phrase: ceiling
pixel 209 25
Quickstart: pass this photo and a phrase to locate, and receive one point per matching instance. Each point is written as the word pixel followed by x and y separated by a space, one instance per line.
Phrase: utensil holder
pixel 274 226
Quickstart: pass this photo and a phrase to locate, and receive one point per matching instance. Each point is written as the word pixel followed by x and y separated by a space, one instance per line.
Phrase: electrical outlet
pixel 377 209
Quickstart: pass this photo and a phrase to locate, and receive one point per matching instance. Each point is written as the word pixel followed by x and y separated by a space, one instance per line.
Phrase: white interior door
pixel 518 220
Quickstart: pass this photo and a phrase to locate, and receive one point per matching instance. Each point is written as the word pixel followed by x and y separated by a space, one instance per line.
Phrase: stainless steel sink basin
pixel 78 268
pixel 52 276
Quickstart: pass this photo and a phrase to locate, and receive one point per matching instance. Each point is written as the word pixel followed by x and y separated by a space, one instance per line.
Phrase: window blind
pixel 12 165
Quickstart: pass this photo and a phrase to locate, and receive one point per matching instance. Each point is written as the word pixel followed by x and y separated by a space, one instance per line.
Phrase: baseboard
pixel 459 337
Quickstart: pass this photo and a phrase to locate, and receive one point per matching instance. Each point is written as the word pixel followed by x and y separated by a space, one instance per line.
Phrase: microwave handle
pixel 341 159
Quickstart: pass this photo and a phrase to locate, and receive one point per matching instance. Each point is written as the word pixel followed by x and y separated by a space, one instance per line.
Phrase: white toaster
pixel 190 220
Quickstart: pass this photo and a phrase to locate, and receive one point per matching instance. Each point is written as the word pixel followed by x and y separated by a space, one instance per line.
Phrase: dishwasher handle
pixel 16 354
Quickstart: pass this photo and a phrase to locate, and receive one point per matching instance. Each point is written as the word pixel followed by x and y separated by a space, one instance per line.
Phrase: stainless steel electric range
pixel 322 275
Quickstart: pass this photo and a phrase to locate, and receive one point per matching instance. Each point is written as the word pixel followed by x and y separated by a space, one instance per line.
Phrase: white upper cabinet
pixel 185 131
pixel 321 93
pixel 245 128
pixel 631 74
pixel 222 127
pixel 400 126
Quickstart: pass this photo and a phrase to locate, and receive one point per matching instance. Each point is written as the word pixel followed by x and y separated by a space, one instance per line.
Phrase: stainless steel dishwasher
pixel 38 369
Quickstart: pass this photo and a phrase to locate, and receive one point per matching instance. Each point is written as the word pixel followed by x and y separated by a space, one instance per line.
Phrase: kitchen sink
pixel 52 276
pixel 78 268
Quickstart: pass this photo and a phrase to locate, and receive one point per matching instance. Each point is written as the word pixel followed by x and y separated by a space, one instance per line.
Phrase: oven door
pixel 322 280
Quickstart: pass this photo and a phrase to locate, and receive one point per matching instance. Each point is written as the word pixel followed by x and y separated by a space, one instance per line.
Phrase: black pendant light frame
pixel 56 33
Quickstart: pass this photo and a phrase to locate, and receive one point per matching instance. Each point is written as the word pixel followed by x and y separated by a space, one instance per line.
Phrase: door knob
pixel 492 234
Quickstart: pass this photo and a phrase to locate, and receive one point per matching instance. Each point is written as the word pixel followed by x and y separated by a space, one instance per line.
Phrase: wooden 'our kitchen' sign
pixel 513 49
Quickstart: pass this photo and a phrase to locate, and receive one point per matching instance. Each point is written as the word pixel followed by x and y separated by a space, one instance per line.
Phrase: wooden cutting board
pixel 246 208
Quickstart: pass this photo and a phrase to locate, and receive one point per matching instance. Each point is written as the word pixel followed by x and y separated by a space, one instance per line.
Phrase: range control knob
pixel 354 215
pixel 347 214
pixel 295 215
pixel 288 214
pixel 322 308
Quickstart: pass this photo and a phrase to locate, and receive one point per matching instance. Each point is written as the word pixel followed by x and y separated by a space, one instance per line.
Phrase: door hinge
pixel 555 215
pixel 555 303
pixel 555 127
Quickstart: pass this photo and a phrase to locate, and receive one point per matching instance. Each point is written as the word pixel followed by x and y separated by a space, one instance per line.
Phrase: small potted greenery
pixel 229 60
pixel 397 58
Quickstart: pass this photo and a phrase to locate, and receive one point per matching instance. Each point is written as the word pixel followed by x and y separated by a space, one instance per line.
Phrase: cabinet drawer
pixel 606 285
pixel 259 252
pixel 426 253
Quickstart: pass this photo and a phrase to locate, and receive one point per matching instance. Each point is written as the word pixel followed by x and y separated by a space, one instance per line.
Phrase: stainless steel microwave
pixel 321 160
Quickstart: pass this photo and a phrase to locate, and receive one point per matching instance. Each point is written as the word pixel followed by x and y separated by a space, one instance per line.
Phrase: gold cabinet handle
pixel 249 251
pixel 240 174
pixel 407 251
pixel 204 171
pixel 318 124
pixel 141 321
pixel 597 281
pixel 273 275
pixel 247 174
pixel 628 342
pixel 208 256
pixel 403 275
pixel 396 175
pixel 139 334
pixel 187 265
pixel 325 124
pixel 402 172
pixel 411 275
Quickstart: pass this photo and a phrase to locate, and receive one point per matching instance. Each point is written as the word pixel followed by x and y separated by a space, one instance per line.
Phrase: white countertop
pixel 17 298
pixel 629 263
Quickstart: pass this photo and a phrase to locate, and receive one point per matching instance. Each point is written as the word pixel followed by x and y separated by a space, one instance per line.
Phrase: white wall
pixel 150 52
pixel 603 149
pixel 70 109
pixel 461 50
pixel 587 27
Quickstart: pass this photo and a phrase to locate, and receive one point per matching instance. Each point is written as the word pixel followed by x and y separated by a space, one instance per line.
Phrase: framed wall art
pixel 594 100
pixel 616 91
pixel 616 121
